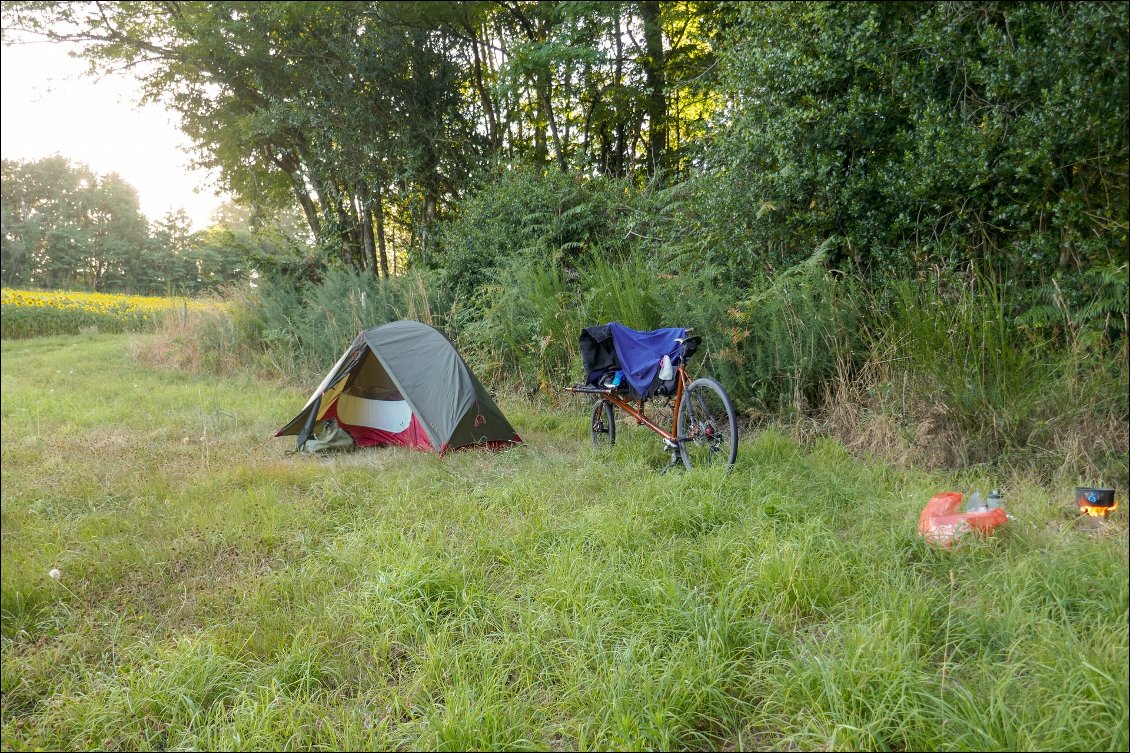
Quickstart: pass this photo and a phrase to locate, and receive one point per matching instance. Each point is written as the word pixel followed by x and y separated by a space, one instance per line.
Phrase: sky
pixel 49 105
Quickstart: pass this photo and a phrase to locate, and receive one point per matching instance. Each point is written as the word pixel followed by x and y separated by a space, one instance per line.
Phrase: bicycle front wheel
pixel 708 426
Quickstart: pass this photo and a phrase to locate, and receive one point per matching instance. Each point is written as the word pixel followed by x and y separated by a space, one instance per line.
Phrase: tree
pixel 373 117
pixel 65 226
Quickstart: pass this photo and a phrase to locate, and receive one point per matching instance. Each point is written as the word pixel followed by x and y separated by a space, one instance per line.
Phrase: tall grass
pixel 293 332
pixel 789 335
pixel 529 327
pixel 974 386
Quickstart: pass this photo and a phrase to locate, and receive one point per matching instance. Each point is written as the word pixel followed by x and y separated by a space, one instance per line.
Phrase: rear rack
pixel 587 390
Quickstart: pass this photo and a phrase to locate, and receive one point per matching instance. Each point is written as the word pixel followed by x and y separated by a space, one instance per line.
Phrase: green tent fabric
pixel 404 383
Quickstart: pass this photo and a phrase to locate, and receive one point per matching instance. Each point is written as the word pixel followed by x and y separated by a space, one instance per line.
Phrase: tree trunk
pixel 544 92
pixel 293 169
pixel 380 217
pixel 365 219
pixel 656 97
pixel 543 86
pixel 541 152
pixel 346 226
pixel 619 158
pixel 489 111
pixel 308 207
pixel 507 106
pixel 325 199
pixel 353 229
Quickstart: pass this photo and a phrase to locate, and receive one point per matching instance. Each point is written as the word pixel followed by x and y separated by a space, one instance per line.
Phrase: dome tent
pixel 403 383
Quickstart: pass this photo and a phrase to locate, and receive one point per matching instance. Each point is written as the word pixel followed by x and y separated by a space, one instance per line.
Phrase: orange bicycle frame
pixel 637 413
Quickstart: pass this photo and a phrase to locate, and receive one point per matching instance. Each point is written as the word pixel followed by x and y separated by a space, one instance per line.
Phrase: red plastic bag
pixel 940 523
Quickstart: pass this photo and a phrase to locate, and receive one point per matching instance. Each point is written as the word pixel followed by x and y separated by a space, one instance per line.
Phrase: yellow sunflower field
pixel 32 313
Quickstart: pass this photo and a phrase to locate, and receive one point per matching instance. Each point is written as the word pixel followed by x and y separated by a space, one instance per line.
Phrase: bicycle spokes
pixel 707 425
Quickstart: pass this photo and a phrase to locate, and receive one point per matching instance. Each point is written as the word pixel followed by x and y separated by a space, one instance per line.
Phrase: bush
pixel 788 335
pixel 531 321
pixel 552 219
pixel 926 134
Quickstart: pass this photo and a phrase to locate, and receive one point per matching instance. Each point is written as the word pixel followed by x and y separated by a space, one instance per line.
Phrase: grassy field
pixel 218 593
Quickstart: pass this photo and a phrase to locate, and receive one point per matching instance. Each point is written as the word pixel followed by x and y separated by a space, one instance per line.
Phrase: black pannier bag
pixel 598 353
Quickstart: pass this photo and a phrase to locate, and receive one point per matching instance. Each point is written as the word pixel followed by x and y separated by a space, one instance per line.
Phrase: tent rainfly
pixel 403 383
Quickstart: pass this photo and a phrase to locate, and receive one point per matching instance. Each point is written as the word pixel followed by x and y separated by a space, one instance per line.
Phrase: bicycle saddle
pixel 690 345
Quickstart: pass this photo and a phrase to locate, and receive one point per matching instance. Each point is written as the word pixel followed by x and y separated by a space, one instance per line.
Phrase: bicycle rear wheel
pixel 603 424
pixel 708 426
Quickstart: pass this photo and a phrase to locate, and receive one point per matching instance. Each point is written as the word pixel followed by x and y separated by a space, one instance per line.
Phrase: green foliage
pixel 373 116
pixel 65 227
pixel 1087 310
pixel 996 388
pixel 528 334
pixel 547 219
pixel 969 357
pixel 928 134
pixel 792 334
pixel 915 136
pixel 775 344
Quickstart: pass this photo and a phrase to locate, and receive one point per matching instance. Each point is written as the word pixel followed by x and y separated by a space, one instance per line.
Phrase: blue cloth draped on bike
pixel 641 352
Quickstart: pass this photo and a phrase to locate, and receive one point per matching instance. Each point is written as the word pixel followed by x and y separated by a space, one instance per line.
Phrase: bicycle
pixel 704 429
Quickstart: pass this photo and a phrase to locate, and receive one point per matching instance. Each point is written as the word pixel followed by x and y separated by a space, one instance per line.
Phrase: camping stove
pixel 1096 503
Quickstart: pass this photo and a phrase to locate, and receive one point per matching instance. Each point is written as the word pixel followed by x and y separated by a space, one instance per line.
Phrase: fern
pixel 1092 313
